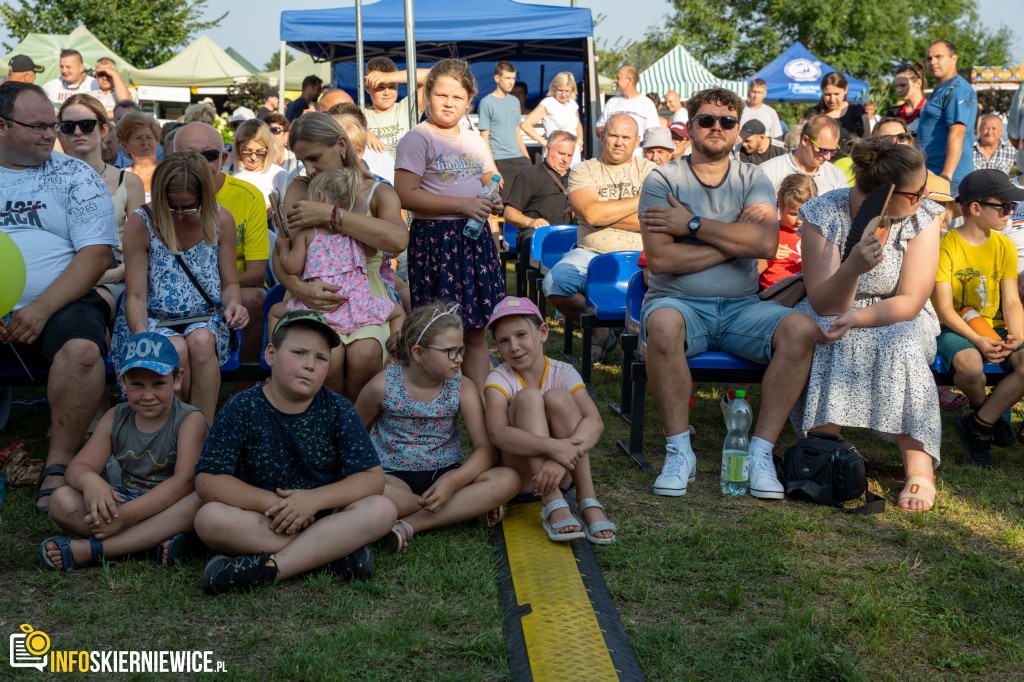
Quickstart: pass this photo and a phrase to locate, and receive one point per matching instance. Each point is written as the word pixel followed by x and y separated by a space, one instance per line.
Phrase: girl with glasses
pixel 183 221
pixel 255 159
pixel 876 330
pixel 81 128
pixel 412 410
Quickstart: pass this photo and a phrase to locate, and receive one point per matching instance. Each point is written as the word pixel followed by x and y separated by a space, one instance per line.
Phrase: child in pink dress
pixel 333 257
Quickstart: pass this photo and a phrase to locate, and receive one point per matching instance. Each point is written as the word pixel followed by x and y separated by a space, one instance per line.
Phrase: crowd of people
pixel 158 244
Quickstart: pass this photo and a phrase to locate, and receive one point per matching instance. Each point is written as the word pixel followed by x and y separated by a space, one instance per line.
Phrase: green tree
pixel 274 63
pixel 868 39
pixel 145 32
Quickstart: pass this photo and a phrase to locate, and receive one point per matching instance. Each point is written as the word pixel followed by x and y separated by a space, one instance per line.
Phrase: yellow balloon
pixel 12 274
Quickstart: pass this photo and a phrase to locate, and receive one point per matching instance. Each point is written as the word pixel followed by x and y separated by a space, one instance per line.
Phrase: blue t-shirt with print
pixel 258 444
pixel 952 101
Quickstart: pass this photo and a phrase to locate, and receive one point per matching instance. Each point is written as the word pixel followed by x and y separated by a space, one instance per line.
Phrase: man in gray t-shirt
pixel 705 220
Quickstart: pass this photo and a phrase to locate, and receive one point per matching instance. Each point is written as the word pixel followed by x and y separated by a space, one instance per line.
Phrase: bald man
pixel 246 204
pixel 631 102
pixel 332 97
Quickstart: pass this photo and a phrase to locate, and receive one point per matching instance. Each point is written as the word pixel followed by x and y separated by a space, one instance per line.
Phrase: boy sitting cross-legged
pixel 978 270
pixel 156 439
pixel 289 477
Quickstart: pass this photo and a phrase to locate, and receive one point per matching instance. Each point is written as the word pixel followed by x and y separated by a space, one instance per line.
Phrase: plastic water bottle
pixel 490 192
pixel 734 451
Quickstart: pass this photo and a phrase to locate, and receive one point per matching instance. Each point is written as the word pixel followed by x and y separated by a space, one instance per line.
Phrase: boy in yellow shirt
pixel 978 271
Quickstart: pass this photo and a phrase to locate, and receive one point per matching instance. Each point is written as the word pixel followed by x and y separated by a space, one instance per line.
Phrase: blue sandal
pixel 67 558
pixel 55 470
pixel 174 551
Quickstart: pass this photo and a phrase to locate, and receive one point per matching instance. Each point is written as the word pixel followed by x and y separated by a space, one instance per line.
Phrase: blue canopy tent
pixel 477 31
pixel 795 76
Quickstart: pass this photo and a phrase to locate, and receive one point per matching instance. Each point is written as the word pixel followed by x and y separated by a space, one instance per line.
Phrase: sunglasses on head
pixel 708 121
pixel 86 125
pixel 210 155
pixel 1009 208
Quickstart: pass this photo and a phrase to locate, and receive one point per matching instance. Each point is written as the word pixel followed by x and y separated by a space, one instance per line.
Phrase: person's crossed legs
pixel 758 331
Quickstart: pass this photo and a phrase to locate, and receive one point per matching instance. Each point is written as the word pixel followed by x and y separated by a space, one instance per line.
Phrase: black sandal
pixel 55 470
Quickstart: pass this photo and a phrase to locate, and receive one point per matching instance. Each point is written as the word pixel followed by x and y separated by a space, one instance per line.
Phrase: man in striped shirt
pixel 989 150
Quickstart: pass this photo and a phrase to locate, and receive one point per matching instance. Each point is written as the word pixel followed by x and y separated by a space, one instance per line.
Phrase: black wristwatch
pixel 694 226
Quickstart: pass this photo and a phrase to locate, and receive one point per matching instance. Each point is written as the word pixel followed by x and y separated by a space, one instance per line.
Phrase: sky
pixel 624 18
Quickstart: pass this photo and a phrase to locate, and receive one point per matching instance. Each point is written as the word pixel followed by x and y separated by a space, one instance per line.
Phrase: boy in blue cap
pixel 157 440
pixel 290 478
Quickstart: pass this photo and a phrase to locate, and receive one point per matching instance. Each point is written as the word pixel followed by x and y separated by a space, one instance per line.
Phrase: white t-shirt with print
pixel 827 178
pixel 52 211
pixel 59 90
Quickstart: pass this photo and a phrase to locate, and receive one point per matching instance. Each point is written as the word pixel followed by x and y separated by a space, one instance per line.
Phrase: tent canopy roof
pixel 295 71
pixel 680 71
pixel 201 64
pixel 231 52
pixel 470 29
pixel 795 76
pixel 45 49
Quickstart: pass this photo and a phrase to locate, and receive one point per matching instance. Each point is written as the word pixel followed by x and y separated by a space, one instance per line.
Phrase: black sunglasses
pixel 901 138
pixel 708 121
pixel 276 130
pixel 86 125
pixel 210 155
pixel 916 196
pixel 1009 208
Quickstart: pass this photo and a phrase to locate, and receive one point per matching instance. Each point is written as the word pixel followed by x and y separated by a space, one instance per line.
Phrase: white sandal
pixel 553 528
pixel 593 529
pixel 396 541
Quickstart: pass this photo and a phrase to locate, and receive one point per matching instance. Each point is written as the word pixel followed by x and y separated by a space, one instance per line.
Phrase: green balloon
pixel 12 274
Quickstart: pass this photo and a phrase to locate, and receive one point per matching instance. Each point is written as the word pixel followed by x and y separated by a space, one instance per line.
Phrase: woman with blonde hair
pixel 557 111
pixel 320 143
pixel 201 112
pixel 255 159
pixel 183 232
pixel 139 136
pixel 82 124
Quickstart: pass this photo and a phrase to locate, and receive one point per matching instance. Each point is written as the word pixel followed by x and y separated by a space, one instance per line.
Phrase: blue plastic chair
pixel 536 245
pixel 509 233
pixel 275 295
pixel 605 293
pixel 556 244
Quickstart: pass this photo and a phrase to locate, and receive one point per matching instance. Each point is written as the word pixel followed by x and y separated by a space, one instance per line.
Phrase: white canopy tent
pixel 680 71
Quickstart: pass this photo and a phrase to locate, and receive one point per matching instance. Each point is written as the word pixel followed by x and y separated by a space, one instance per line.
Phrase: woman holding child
pixel 319 142
pixel 871 369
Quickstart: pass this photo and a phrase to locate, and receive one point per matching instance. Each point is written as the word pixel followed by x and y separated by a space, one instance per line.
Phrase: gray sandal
pixel 598 526
pixel 553 528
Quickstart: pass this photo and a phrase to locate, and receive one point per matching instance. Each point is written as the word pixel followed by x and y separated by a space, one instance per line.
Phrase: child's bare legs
pixel 1005 394
pixel 402 287
pixel 362 363
pixel 489 490
pixel 527 412
pixel 396 318
pixel 969 376
pixel 563 417
pixel 67 509
pixel 240 531
pixel 477 363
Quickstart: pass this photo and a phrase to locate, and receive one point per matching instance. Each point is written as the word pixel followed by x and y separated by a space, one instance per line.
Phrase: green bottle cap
pixel 741 394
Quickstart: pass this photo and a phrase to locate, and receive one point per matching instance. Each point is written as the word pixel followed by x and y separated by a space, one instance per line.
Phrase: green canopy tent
pixel 680 71
pixel 45 49
pixel 202 64
pixel 295 71
pixel 233 53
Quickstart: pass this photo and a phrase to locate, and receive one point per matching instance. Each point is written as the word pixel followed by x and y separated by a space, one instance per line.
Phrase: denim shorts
pixel 569 276
pixel 741 326
pixel 129 494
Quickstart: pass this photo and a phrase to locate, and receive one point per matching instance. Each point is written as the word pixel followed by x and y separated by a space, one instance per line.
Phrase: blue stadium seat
pixel 605 294
pixel 275 295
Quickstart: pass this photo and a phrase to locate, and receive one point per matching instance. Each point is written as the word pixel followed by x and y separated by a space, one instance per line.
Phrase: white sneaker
pixel 764 484
pixel 679 469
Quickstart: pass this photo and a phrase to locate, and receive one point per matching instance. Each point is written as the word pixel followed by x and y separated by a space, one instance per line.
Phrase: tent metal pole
pixel 280 81
pixel 410 63
pixel 592 113
pixel 361 97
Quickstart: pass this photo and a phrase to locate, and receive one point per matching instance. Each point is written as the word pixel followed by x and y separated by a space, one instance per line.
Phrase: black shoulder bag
pixel 826 469
pixel 216 307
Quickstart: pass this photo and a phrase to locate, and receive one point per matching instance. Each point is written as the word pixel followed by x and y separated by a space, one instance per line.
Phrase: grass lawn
pixel 708 587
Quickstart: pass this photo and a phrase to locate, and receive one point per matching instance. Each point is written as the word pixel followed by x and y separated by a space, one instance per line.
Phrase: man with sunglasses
pixel 819 143
pixel 252 241
pixel 705 220
pixel 60 215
